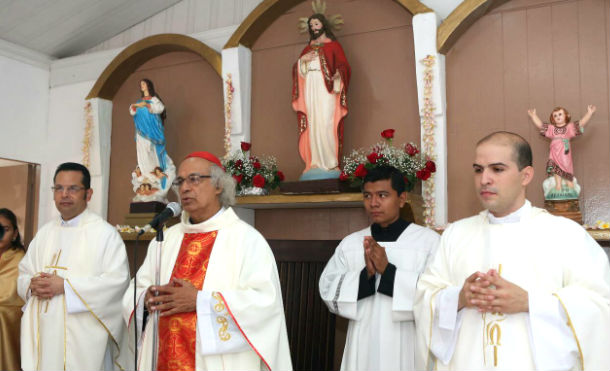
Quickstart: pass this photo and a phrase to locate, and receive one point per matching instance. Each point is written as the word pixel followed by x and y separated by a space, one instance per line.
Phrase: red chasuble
pixel 178 332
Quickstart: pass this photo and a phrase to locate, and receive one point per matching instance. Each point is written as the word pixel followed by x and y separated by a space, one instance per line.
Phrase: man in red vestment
pixel 220 300
pixel 320 80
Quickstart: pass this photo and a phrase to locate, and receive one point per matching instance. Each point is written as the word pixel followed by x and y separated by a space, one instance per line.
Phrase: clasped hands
pixel 178 296
pixel 375 257
pixel 489 292
pixel 46 285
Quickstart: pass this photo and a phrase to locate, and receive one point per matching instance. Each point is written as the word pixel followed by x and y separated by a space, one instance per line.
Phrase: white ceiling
pixel 63 28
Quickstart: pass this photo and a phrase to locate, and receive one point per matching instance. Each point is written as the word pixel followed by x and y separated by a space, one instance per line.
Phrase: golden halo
pixel 319 7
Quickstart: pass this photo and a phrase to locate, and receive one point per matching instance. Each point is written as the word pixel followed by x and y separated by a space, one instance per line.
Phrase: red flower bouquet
pixel 405 159
pixel 253 175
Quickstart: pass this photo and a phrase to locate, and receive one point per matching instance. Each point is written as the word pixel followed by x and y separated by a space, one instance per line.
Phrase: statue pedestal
pixel 146 207
pixel 566 208
pixel 141 213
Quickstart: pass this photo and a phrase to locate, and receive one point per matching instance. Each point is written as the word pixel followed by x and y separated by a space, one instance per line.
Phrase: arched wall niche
pixel 189 85
pixel 270 10
pixel 144 50
pixel 378 40
pixel 460 20
pixel 521 55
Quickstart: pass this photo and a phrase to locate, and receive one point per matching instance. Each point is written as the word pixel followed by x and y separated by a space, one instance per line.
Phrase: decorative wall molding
pixel 25 55
pixel 269 10
pixel 460 20
pixel 140 52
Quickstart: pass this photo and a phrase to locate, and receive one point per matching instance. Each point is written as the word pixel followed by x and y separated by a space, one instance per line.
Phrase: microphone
pixel 172 209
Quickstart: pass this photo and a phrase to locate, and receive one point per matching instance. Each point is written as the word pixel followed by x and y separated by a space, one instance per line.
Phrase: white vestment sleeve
pixel 405 283
pixel 446 324
pixel 210 323
pixel 339 286
pixel 73 303
pixel 553 345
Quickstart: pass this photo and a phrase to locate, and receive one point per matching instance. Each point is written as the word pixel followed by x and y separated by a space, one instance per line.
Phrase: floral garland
pixel 429 143
pixel 228 104
pixel 88 131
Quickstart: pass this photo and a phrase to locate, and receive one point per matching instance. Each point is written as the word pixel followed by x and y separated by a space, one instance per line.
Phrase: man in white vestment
pixel 220 301
pixel 372 275
pixel 72 279
pixel 514 287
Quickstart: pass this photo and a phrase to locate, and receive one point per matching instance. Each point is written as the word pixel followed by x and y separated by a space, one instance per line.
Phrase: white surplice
pixel 565 273
pixel 381 332
pixel 81 329
pixel 241 289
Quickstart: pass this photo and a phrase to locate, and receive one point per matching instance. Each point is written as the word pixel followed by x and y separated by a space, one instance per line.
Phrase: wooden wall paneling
pixel 594 81
pixel 311 327
pixel 548 53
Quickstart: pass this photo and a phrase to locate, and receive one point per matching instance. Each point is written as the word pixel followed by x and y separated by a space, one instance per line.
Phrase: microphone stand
pixel 157 283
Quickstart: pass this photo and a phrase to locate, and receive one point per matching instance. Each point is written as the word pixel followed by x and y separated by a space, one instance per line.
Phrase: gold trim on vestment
pixel 224 325
pixel 222 320
pixel 492 331
pixel 101 323
pixel 219 306
pixel 55 267
pixel 569 323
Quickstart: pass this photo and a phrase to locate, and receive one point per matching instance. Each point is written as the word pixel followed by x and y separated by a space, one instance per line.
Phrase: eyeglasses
pixel 191 179
pixel 71 189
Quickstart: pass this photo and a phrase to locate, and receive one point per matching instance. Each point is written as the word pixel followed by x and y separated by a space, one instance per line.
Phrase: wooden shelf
pixel 300 201
pixel 600 234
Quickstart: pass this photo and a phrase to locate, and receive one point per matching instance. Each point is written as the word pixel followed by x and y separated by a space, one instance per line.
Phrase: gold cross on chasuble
pixel 178 332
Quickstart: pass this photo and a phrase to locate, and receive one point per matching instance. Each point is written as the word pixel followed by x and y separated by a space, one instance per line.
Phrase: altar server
pixel 220 301
pixel 72 279
pixel 514 287
pixel 371 278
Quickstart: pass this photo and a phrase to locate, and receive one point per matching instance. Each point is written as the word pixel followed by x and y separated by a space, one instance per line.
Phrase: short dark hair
pixel 386 172
pixel 73 166
pixel 8 214
pixel 522 152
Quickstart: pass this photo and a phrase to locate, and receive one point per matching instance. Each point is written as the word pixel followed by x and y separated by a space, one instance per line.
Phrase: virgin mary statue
pixel 155 172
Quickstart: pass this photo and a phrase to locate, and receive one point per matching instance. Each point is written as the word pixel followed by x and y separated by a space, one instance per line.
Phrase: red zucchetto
pixel 207 156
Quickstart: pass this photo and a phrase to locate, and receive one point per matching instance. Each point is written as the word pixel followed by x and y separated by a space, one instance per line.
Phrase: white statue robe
pixel 381 332
pixel 321 106
pixel 81 329
pixel 145 149
pixel 241 289
pixel 565 273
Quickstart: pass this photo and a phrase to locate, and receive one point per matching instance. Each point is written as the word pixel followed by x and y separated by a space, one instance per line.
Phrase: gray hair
pixel 220 179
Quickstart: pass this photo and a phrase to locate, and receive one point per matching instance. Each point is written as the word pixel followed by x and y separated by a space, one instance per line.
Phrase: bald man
pixel 514 287
pixel 220 301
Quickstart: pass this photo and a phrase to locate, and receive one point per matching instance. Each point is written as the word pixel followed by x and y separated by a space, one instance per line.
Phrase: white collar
pixel 514 217
pixel 222 210
pixel 72 222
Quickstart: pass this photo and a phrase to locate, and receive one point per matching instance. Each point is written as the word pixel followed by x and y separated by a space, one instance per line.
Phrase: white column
pixel 424 35
pixel 99 155
pixel 238 62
